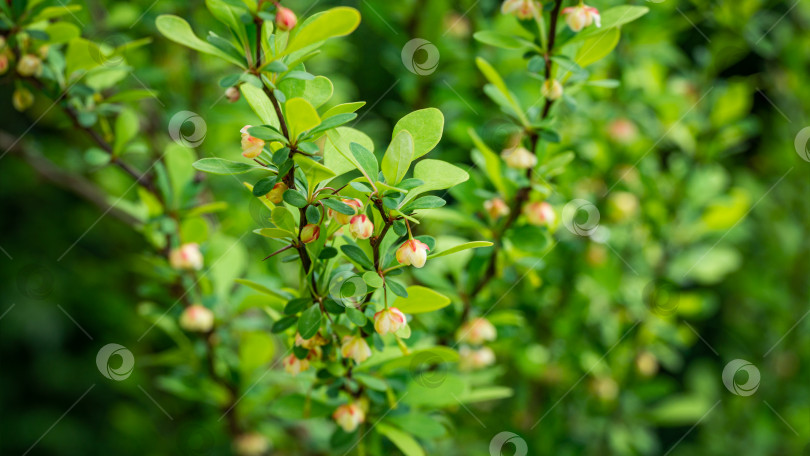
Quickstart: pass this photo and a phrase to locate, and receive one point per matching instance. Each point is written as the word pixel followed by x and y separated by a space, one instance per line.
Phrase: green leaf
pixel 336 154
pixel 436 175
pixel 357 255
pixel 344 108
pixel 374 383
pixel 314 171
pixel 301 116
pixel 333 122
pixel 426 357
pixel 373 279
pixel 425 126
pixel 613 17
pixel 178 30
pixel 598 47
pixel 501 40
pixel 283 324
pixel 338 206
pixel 356 316
pixel 425 202
pixel 297 305
pixel 295 198
pixel 495 79
pixel 404 441
pixel 332 23
pixel 264 185
pixel 267 134
pixel 318 90
pixel 309 322
pixel 224 167
pixel 260 104
pixel 126 128
pixel 255 349
pixel 274 233
pixel 282 218
pixel 366 160
pixel 263 289
pixel 420 300
pixel 229 14
pixel 491 163
pixel 397 158
pixel 490 393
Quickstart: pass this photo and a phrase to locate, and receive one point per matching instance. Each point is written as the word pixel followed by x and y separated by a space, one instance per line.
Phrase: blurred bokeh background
pixel 615 345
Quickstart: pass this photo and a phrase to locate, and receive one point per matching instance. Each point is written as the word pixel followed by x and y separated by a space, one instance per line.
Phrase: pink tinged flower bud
pixel 552 89
pixel 523 9
pixel 471 359
pixel 540 214
pixel 285 19
pixel 251 146
pixel 356 348
pixel 519 158
pixel 294 365
pixel 310 233
pixel 389 320
pixel 197 318
pixel 476 331
pixel 22 99
pixel 232 94
pixel 251 444
pixel 496 208
pixel 29 65
pixel 361 227
pixel 579 17
pixel 343 219
pixel 349 416
pixel 186 257
pixel 412 252
pixel 276 195
pixel 623 131
pixel 3 64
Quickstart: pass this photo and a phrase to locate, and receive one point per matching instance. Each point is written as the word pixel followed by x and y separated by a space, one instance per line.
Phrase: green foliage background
pixel 717 92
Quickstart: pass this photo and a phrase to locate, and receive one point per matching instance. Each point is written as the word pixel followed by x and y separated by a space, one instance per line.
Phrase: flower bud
pixel 294 365
pixel 523 9
pixel 389 320
pixel 197 318
pixel 251 444
pixel 310 233
pixel 251 145
pixel 623 131
pixel 476 331
pixel 579 17
pixel 519 158
pixel 496 208
pixel 3 64
pixel 412 252
pixel 312 343
pixel 540 214
pixel 349 416
pixel 232 94
pixel 361 227
pixel 356 348
pixel 276 195
pixel 343 219
pixel 22 99
pixel 285 19
pixel 186 257
pixel 646 364
pixel 43 51
pixel 552 89
pixel 29 65
pixel 471 359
